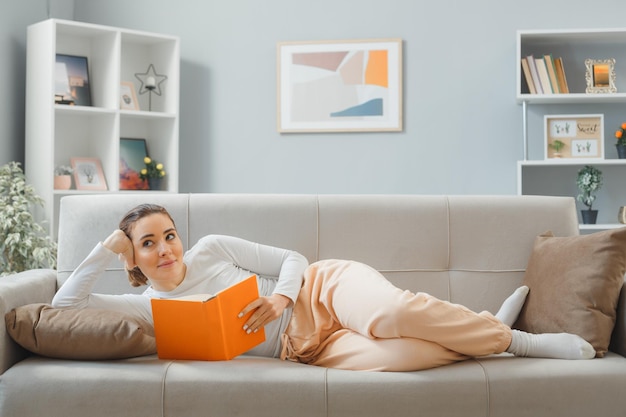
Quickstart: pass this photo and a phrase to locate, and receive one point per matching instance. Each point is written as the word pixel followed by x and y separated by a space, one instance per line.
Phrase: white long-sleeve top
pixel 214 263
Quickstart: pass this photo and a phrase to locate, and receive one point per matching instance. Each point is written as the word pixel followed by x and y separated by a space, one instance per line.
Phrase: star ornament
pixel 150 81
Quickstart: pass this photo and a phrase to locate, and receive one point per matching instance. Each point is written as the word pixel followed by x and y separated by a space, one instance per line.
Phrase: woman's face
pixel 158 251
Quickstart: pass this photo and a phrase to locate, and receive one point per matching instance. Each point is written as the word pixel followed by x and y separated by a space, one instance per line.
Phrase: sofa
pixel 471 250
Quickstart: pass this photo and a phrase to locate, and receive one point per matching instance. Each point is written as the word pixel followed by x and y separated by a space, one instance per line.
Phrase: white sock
pixel 512 306
pixel 550 345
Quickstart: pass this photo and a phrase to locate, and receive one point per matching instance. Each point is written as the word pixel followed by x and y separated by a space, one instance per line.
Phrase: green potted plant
pixel 153 172
pixel 557 145
pixel 63 177
pixel 589 181
pixel 24 244
pixel 621 141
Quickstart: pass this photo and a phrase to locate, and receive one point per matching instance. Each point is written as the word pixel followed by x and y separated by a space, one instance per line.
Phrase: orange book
pixel 205 326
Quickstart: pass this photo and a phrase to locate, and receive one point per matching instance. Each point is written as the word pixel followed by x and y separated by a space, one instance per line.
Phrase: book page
pixel 192 297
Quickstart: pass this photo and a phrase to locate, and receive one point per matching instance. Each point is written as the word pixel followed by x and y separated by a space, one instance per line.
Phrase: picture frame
pixel 72 80
pixel 569 137
pixel 88 174
pixel 132 154
pixel 600 75
pixel 128 96
pixel 339 86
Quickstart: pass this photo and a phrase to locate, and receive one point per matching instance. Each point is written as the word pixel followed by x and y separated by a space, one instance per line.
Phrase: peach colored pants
pixel 348 316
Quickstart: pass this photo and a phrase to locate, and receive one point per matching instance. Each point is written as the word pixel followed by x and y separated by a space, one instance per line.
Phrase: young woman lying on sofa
pixel 332 313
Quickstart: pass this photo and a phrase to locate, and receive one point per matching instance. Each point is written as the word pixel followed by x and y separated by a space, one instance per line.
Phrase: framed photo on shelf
pixel 72 81
pixel 574 137
pixel 88 174
pixel 339 86
pixel 600 75
pixel 128 96
pixel 132 153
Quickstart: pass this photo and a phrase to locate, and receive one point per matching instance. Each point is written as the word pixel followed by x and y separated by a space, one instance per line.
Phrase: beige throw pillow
pixel 86 334
pixel 574 285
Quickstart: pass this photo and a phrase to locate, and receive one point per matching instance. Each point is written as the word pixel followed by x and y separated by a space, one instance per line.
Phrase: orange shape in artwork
pixel 376 71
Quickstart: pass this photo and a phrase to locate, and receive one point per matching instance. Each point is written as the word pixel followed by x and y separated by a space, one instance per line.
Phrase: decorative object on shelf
pixel 581 136
pixel 621 141
pixel 150 83
pixel 621 215
pixel 72 81
pixel 600 75
pixel 128 98
pixel 88 174
pixel 132 154
pixel 557 145
pixel 153 172
pixel 589 181
pixel 317 83
pixel 25 244
pixel 63 177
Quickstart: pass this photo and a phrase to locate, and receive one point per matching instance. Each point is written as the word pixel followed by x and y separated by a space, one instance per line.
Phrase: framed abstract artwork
pixel 339 86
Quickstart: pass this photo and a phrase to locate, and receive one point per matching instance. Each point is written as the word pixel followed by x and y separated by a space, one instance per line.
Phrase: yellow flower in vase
pixel 153 172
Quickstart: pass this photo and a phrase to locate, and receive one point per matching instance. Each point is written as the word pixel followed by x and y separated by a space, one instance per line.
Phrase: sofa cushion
pixel 574 285
pixel 87 334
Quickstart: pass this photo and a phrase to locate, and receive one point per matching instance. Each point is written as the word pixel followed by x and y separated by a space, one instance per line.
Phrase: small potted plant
pixel 589 181
pixel 557 145
pixel 621 141
pixel 153 172
pixel 63 177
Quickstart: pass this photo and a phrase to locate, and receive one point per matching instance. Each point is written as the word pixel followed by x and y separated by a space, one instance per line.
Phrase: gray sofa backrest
pixel 471 250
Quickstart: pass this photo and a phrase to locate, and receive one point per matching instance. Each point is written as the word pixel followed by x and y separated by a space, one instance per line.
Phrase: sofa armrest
pixel 29 287
pixel 618 339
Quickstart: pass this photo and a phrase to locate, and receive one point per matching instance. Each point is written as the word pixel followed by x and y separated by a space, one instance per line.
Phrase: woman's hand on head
pixel 119 243
pixel 266 310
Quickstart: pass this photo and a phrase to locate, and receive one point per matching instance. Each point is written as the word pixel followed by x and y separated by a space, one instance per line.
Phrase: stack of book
pixel 544 75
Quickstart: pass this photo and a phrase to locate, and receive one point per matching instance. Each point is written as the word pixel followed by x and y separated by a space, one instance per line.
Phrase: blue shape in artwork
pixel 370 108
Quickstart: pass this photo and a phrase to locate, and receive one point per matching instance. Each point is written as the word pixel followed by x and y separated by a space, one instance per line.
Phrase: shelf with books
pixel 544 75
pixel 538 175
pixel 572 47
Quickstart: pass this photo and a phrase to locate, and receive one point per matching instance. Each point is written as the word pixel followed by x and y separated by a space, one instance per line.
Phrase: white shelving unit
pixel 55 132
pixel 536 175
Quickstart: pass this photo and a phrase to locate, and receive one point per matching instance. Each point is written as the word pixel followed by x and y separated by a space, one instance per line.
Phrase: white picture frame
pixel 582 137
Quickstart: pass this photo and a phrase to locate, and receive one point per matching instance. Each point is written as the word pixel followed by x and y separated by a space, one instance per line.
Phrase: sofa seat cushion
pixel 575 283
pixel 87 334
pixel 456 390
pixel 246 386
pixel 522 387
pixel 40 386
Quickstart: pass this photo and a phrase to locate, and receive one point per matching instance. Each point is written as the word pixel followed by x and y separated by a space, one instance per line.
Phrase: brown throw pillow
pixel 575 284
pixel 86 334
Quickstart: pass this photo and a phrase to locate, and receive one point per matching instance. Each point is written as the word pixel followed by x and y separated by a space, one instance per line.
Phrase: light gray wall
pixel 462 125
pixel 15 16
